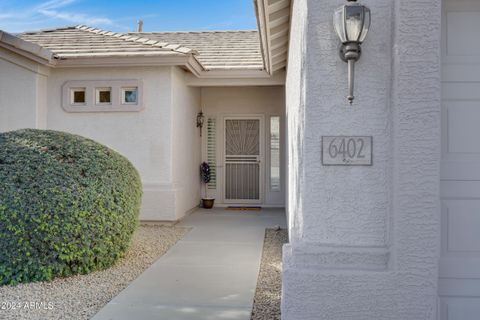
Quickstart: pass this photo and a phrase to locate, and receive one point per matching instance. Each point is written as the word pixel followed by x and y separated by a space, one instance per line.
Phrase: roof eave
pixel 260 13
pixel 225 78
pixel 27 49
pixel 188 61
pixel 273 19
pixel 127 61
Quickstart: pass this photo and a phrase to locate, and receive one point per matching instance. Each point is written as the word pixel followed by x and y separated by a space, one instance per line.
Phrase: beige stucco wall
pixel 218 102
pixel 186 144
pixel 22 92
pixel 41 101
pixel 143 137
pixel 162 140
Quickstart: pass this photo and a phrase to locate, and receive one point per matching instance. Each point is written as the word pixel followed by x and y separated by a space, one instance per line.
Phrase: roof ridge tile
pixel 197 31
pixel 142 40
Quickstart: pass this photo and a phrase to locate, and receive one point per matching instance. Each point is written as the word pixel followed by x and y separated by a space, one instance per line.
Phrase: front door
pixel 243 160
pixel 459 285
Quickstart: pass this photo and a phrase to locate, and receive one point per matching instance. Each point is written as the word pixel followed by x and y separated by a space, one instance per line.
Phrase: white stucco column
pixel 364 241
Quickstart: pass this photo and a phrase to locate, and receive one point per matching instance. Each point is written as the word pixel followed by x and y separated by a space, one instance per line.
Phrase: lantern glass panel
pixel 366 25
pixel 339 24
pixel 354 22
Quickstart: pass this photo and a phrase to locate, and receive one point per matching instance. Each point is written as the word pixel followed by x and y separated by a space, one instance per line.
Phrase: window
pixel 129 95
pixel 78 96
pixel 104 95
pixel 212 152
pixel 115 95
pixel 275 153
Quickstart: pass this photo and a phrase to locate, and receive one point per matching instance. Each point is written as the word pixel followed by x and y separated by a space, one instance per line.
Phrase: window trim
pixel 280 182
pixel 97 96
pixel 72 96
pixel 123 90
pixel 91 97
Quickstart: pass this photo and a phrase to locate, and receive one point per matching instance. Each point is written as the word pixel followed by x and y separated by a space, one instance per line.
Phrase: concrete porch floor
pixel 210 274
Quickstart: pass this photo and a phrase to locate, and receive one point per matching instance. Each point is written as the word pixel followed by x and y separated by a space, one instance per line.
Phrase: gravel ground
pixel 81 297
pixel 266 305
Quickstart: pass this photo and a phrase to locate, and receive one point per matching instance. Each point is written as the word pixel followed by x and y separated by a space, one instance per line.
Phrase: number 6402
pixel 351 148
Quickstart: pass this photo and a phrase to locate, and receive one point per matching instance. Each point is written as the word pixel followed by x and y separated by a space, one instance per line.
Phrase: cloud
pixel 48 13
pixel 49 9
pixel 7 16
pixel 54 4
pixel 76 17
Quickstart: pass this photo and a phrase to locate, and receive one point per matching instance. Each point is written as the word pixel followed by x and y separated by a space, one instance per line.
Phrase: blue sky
pixel 122 15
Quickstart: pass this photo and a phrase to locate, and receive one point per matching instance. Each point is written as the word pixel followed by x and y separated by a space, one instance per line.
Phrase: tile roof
pixel 218 50
pixel 215 50
pixel 85 42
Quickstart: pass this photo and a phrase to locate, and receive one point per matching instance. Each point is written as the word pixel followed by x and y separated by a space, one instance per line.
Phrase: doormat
pixel 244 208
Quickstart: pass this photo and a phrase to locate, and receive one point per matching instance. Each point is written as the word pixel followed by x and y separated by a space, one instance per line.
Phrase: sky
pixel 122 15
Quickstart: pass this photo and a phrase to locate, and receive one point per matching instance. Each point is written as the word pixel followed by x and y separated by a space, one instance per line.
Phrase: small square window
pixel 78 96
pixel 104 95
pixel 129 95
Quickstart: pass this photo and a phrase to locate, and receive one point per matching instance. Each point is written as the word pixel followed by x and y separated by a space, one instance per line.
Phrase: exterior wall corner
pixel 364 241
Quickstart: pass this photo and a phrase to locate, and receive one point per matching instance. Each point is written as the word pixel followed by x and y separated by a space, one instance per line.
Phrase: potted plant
pixel 205 176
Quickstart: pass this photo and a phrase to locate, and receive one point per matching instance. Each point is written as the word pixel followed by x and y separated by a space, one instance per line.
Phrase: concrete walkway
pixel 210 274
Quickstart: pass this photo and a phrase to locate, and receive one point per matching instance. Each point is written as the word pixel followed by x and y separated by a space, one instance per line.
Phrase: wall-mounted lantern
pixel 200 121
pixel 351 22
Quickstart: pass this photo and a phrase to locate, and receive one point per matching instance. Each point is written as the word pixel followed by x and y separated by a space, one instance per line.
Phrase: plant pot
pixel 208 203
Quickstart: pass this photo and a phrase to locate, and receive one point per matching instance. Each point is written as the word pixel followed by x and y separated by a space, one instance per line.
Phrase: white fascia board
pixel 24 62
pixel 122 61
pixel 198 73
pixel 255 79
pixel 234 73
pixel 195 66
pixel 261 11
pixel 27 55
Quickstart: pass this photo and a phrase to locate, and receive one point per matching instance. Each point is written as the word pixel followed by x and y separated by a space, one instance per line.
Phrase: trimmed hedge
pixel 68 205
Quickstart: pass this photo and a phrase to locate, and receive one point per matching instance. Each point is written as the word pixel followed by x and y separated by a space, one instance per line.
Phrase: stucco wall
pixel 186 144
pixel 364 241
pixel 42 100
pixel 161 140
pixel 22 100
pixel 143 137
pixel 295 114
pixel 218 102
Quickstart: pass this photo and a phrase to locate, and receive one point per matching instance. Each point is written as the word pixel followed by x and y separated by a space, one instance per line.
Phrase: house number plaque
pixel 347 150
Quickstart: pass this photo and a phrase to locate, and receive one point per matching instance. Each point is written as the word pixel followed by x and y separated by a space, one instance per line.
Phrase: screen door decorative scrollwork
pixel 243 154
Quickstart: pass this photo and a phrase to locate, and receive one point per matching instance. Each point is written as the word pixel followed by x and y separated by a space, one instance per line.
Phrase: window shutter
pixel 212 152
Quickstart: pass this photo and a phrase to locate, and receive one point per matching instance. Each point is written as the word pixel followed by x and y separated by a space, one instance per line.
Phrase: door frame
pixel 262 142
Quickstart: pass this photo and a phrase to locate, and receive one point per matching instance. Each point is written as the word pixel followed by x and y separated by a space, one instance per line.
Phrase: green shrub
pixel 68 205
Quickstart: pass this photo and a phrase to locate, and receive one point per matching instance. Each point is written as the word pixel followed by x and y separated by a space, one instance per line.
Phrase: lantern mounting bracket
pixel 350 51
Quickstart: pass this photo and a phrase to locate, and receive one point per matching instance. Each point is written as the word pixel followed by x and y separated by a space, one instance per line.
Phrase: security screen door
pixel 243 160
